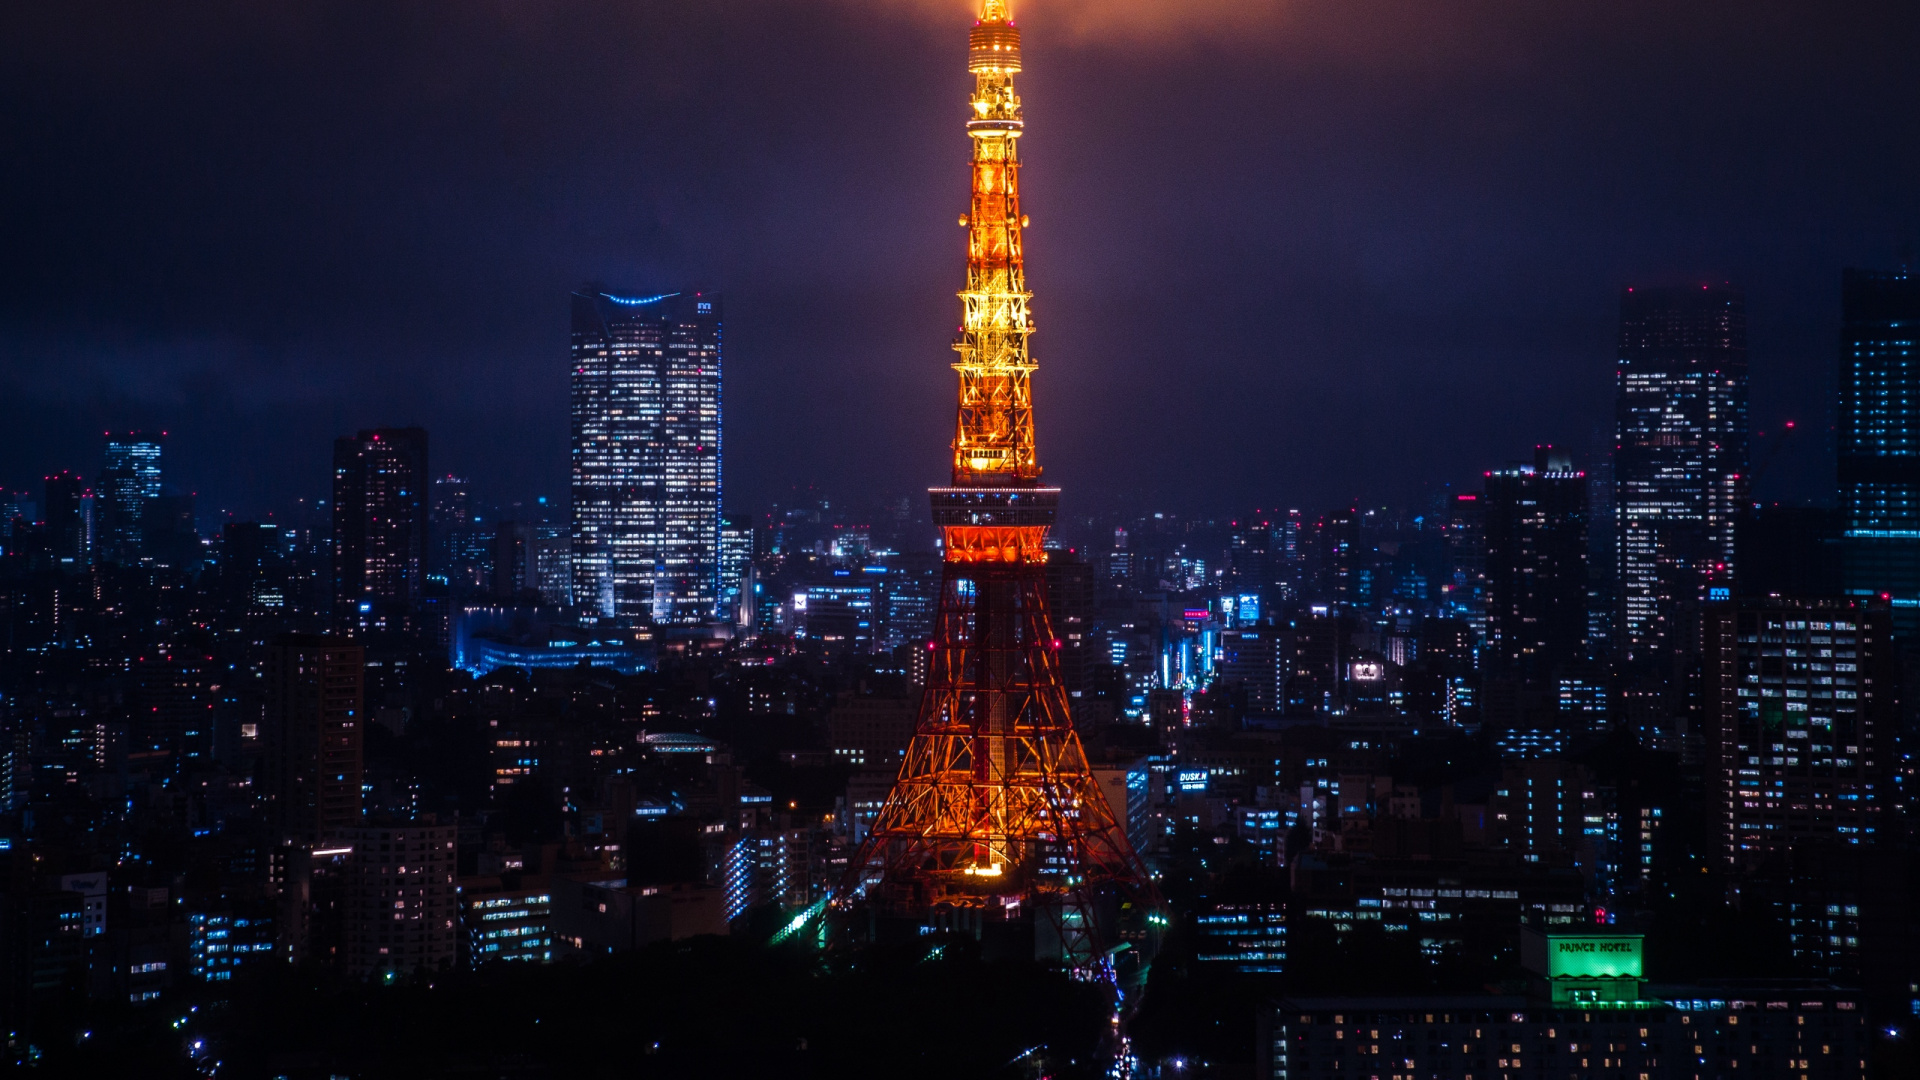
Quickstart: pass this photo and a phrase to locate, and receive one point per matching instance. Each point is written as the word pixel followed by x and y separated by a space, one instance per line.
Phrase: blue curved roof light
pixel 632 302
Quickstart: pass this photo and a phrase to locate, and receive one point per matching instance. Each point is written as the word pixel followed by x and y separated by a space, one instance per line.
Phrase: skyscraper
pixel 169 535
pixel 550 563
pixel 379 527
pixel 512 541
pixel 1466 597
pixel 736 571
pixel 462 544
pixel 1802 711
pixel 253 573
pixel 130 478
pixel 1880 438
pixel 1680 457
pixel 1252 660
pixel 65 512
pixel 17 506
pixel 646 456
pixel 452 503
pixel 1536 536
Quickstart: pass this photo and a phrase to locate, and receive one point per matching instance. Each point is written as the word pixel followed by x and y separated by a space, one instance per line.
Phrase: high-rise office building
pixel 1119 561
pixel 66 509
pixel 1603 588
pixel 646 456
pixel 1336 547
pixel 532 557
pixel 838 615
pixel 450 516
pixel 1249 557
pixel 1801 717
pixel 1536 568
pixel 736 571
pixel 1880 438
pixel 1284 553
pixel 511 558
pixel 1316 663
pixel 1466 593
pixel 550 563
pixel 462 544
pixel 128 481
pixel 452 504
pixel 253 571
pixel 379 527
pixel 16 506
pixel 314 721
pixel 1680 458
pixel 169 532
pixel 172 697
pixel 910 591
pixel 1544 808
pixel 1793 551
pixel 1252 660
pixel 1070 600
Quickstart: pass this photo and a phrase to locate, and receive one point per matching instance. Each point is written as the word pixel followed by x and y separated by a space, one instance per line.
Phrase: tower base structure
pixel 996 820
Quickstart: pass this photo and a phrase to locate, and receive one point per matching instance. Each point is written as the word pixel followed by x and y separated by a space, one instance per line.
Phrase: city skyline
pixel 1309 661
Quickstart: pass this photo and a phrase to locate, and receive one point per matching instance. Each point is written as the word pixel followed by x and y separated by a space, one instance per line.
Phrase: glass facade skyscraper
pixel 1879 448
pixel 1680 458
pixel 646 456
pixel 128 482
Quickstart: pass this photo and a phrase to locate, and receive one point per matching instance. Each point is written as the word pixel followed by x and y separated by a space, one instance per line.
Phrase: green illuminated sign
pixel 1608 957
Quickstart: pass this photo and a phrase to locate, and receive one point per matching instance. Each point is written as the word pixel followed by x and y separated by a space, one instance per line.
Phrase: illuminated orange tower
pixel 995 814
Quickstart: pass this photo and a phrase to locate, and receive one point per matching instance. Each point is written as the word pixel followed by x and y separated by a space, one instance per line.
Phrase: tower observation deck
pixel 995 815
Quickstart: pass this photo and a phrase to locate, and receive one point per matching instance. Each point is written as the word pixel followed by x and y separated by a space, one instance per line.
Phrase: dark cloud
pixel 1338 249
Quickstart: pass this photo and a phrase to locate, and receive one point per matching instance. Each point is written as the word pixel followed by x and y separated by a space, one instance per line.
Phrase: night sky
pixel 1295 254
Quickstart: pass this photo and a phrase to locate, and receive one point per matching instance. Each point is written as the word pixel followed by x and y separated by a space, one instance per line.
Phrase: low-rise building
pixel 599 917
pixel 1248 938
pixel 223 943
pixel 1589 1015
pixel 507 922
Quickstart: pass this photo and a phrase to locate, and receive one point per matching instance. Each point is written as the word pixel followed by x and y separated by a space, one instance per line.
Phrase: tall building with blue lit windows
pixel 646 456
pixel 1879 447
pixel 1680 458
pixel 129 481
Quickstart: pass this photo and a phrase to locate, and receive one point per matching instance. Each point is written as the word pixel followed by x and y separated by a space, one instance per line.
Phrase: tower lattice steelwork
pixel 995 814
